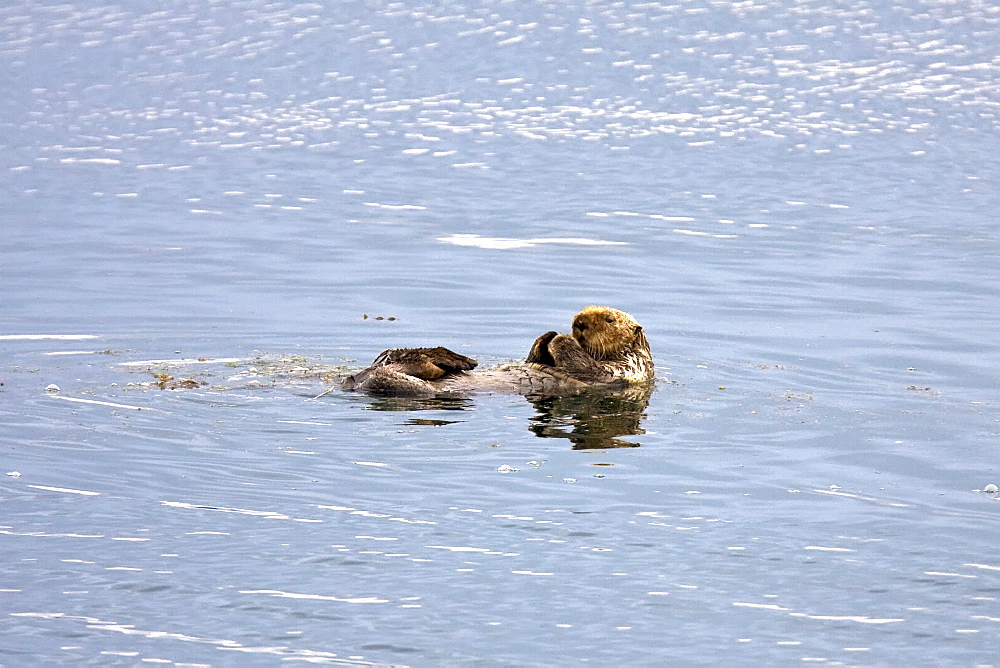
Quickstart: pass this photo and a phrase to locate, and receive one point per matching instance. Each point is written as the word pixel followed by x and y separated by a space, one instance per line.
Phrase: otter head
pixel 606 333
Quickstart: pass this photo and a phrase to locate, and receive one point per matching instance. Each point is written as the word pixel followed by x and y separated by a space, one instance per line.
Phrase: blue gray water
pixel 797 200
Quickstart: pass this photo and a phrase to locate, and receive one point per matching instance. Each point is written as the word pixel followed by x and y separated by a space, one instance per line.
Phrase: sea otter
pixel 607 349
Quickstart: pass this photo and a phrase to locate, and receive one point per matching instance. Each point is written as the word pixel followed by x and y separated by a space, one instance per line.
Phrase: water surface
pixel 796 200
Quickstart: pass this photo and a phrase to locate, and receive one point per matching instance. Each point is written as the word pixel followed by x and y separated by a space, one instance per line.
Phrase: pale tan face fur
pixel 607 333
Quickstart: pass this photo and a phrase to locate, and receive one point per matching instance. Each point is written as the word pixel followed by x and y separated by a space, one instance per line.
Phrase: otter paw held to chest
pixel 539 353
pixel 572 359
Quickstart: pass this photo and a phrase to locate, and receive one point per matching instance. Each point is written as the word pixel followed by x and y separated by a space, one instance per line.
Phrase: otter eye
pixel 610 320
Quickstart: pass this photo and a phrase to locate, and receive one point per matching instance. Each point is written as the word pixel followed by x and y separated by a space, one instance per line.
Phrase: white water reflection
pixel 504 243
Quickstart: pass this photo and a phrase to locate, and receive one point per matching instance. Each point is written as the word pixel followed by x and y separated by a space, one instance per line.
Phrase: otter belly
pixel 526 379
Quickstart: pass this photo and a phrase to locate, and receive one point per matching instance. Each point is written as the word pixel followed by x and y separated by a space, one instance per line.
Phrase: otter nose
pixel 580 325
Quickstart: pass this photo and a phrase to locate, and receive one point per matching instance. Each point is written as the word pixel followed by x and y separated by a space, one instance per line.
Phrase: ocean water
pixel 211 210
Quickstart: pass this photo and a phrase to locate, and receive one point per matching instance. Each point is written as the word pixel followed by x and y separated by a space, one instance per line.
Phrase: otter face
pixel 606 333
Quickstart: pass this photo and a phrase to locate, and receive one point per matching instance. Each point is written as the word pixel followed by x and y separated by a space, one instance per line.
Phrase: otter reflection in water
pixel 596 380
pixel 592 420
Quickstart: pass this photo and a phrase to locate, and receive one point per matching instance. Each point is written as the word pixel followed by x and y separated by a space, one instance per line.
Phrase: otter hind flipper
pixel 448 360
pixel 407 371
pixel 426 363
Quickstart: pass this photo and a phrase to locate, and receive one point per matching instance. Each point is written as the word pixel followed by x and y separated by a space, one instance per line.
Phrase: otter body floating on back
pixel 607 349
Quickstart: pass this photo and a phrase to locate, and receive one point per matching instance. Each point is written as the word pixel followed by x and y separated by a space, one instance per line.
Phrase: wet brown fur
pixel 607 333
pixel 607 348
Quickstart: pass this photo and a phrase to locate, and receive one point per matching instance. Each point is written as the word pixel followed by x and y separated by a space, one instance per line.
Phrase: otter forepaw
pixel 562 345
pixel 570 358
pixel 539 353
